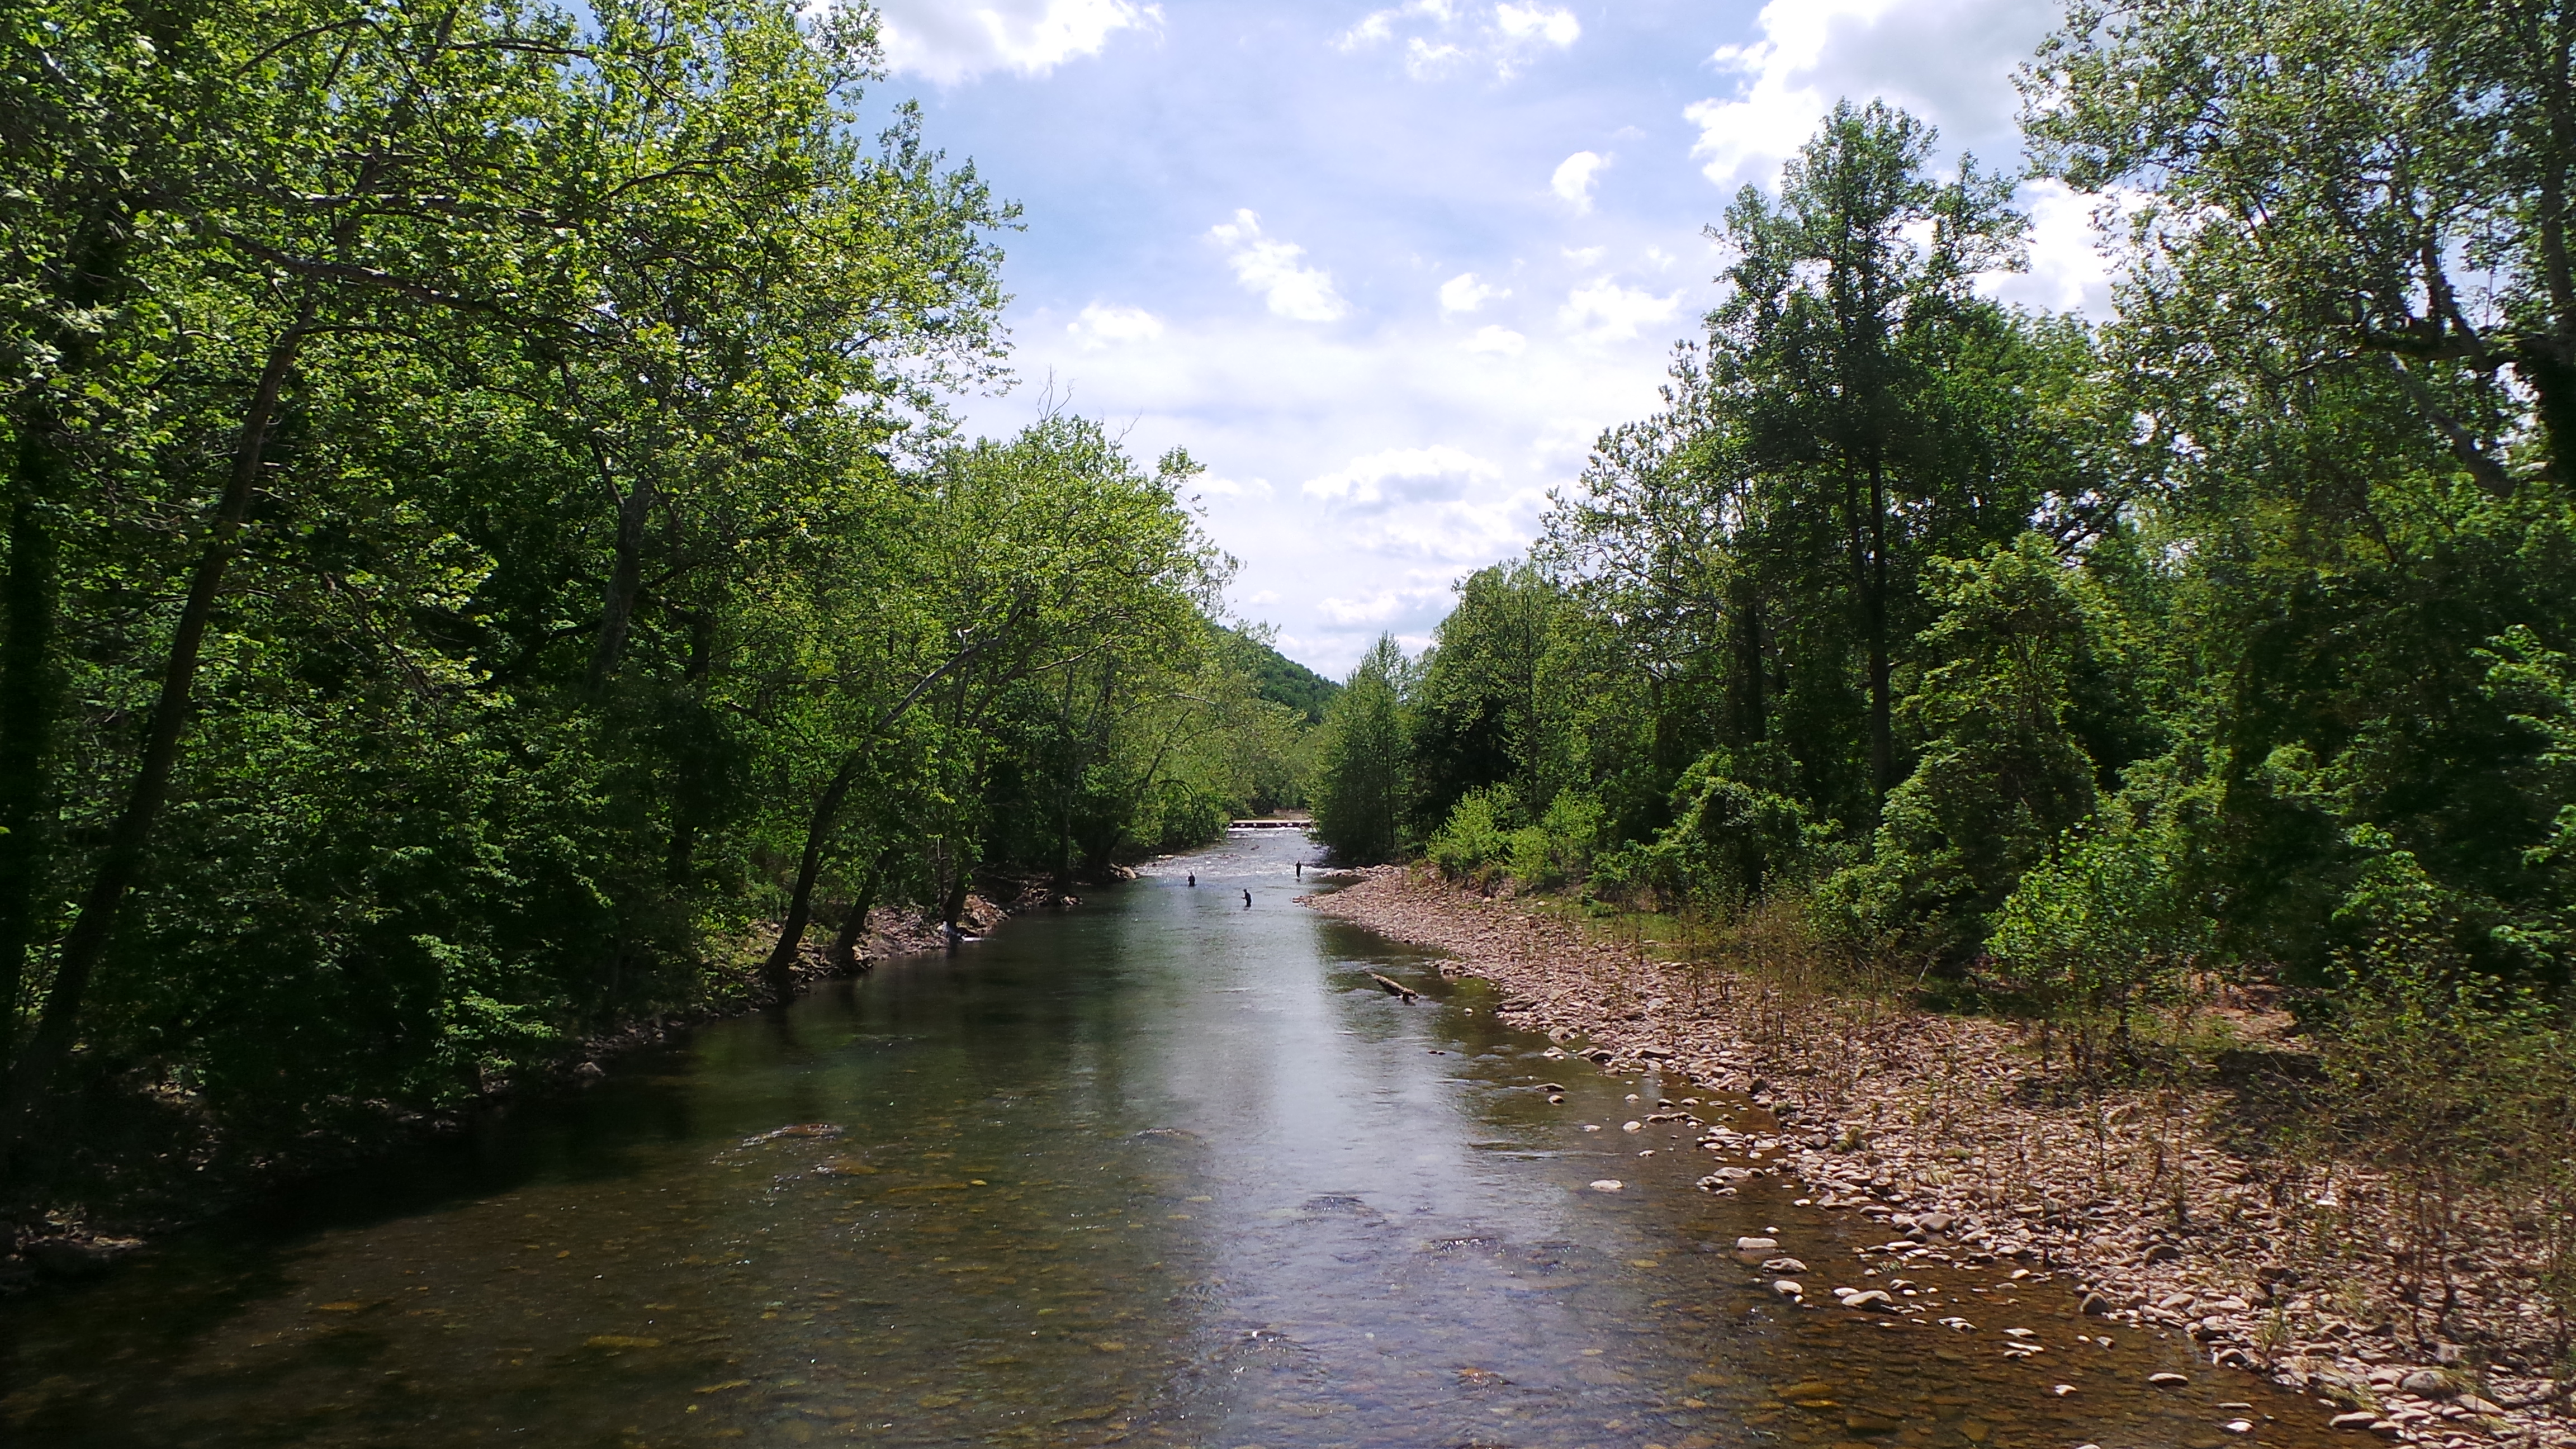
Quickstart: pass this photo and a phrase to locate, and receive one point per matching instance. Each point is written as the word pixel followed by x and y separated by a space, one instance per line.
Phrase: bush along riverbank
pixel 2195 1199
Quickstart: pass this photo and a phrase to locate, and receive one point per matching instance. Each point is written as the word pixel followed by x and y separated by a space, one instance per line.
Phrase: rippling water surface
pixel 1163 1170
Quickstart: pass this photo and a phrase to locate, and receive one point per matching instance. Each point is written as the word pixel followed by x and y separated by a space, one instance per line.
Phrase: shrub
pixel 1476 837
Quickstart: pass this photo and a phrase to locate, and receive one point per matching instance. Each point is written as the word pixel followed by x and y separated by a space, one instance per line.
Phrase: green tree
pixel 1362 784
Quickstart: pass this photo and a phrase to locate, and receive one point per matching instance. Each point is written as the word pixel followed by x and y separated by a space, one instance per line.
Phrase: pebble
pixel 2238 1426
pixel 1868 1300
pixel 1756 1245
pixel 1789 1288
pixel 1632 1126
pixel 1607 1184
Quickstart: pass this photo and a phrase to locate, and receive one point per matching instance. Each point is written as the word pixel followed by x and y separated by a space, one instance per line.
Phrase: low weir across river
pixel 1163 1170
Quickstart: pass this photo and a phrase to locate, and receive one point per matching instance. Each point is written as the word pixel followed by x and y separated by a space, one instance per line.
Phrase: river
pixel 1165 1169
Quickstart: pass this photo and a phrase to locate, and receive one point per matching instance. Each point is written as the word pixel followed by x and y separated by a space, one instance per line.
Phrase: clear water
pixel 1162 1170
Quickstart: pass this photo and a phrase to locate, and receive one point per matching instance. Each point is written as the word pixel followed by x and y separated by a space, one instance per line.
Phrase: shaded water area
pixel 1167 1169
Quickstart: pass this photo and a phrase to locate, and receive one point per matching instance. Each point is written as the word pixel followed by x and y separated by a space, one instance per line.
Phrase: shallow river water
pixel 1166 1169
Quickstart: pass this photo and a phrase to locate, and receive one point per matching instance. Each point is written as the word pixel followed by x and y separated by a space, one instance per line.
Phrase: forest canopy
pixel 2067 658
pixel 486 559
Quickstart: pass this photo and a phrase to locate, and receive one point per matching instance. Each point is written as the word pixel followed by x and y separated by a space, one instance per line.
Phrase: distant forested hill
pixel 1280 679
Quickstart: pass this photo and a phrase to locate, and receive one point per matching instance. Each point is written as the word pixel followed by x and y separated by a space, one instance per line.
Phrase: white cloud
pixel 1503 37
pixel 1453 532
pixel 1500 340
pixel 1574 176
pixel 2068 269
pixel 1099 327
pixel 1422 59
pixel 1463 293
pixel 1380 24
pixel 1272 269
pixel 1383 605
pixel 1604 311
pixel 1585 256
pixel 1947 60
pixel 1532 22
pixel 1230 488
pixel 947 41
pixel 1405 474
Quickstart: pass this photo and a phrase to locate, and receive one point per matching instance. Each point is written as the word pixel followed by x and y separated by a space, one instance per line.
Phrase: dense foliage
pixel 2228 635
pixel 484 559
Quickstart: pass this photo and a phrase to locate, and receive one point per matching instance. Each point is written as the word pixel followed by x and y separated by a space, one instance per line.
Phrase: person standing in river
pixel 1247 900
pixel 1194 878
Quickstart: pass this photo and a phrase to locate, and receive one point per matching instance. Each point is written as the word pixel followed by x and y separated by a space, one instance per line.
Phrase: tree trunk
pixel 681 861
pixel 1754 722
pixel 1882 734
pixel 625 578
pixel 954 906
pixel 30 696
pixel 845 945
pixel 780 970
pixel 130 840
pixel 31 688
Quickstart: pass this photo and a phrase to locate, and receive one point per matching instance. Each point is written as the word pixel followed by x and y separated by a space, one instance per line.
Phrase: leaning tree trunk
pixel 129 842
pixel 779 972
pixel 845 945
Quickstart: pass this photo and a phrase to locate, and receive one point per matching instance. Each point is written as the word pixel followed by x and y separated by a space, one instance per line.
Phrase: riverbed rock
pixel 2429 1384
pixel 1783 1265
pixel 2168 1381
pixel 1867 1300
pixel 1757 1245
pixel 1607 1184
pixel 2357 1419
pixel 1789 1288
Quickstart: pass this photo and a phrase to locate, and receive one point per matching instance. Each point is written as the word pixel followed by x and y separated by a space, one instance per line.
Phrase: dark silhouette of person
pixel 1301 870
pixel 1247 899
pixel 1194 878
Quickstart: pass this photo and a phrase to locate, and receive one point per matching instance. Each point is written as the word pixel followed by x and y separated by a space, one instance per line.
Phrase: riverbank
pixel 1952 1127
pixel 169 1164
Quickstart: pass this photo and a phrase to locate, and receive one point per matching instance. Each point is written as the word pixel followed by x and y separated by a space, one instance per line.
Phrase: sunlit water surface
pixel 1164 1169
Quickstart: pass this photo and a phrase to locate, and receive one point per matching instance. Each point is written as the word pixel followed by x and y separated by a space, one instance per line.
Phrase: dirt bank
pixel 1951 1128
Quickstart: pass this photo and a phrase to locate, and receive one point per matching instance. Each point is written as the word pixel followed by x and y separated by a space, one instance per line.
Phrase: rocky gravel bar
pixel 1951 1130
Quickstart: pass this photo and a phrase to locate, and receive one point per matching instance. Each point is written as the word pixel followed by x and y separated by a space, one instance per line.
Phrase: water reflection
pixel 1163 1170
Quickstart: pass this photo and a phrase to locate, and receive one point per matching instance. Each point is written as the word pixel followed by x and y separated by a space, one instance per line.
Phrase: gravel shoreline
pixel 1947 1128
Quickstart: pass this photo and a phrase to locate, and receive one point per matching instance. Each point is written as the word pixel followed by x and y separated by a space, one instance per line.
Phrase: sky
pixel 1388 271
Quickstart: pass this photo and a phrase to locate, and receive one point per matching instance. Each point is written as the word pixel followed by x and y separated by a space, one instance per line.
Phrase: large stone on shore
pixel 2429 1384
